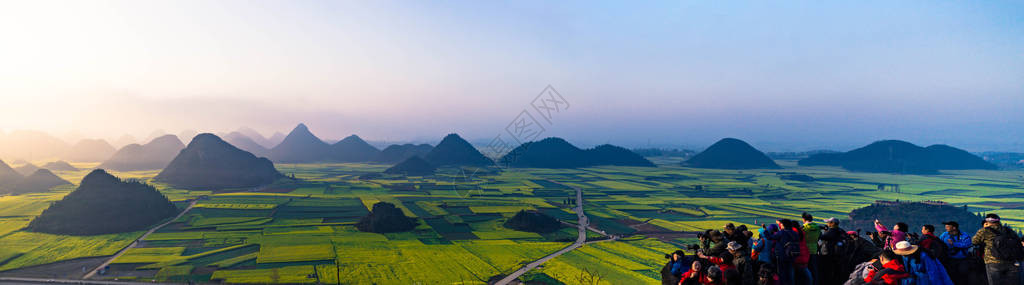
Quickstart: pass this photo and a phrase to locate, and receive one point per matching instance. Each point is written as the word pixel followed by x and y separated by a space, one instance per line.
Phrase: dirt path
pixel 136 242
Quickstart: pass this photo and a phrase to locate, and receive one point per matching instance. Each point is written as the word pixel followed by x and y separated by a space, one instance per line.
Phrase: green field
pixel 303 232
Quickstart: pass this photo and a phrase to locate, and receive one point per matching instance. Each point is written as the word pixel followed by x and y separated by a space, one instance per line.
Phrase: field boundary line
pixel 583 226
pixel 136 242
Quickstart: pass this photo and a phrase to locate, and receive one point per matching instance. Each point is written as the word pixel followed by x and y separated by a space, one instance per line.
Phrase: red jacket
pixel 700 275
pixel 721 263
pixel 926 241
pixel 893 275
pixel 805 253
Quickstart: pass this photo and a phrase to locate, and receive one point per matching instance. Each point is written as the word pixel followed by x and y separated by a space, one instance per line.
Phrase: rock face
pixel 455 151
pixel 40 181
pixel 354 149
pixel 385 218
pixel 59 165
pixel 730 153
pixel 300 146
pixel 90 150
pixel 895 156
pixel 532 221
pixel 8 177
pixel 245 143
pixel 397 153
pixel 153 155
pixel 211 163
pixel 104 204
pixel 558 153
pixel 413 166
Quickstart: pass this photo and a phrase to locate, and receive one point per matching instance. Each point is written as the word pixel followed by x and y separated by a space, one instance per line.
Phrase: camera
pixel 693 247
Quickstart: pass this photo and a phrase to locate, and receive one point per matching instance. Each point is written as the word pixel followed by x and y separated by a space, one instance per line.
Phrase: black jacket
pixel 831 238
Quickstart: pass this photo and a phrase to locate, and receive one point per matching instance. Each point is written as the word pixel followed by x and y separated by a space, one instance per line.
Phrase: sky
pixel 785 76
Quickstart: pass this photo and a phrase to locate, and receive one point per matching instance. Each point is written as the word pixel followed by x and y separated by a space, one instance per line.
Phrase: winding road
pixel 583 225
pixel 136 242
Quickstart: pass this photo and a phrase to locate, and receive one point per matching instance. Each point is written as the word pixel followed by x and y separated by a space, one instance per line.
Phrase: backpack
pixel 1006 246
pixel 939 250
pixel 834 247
pixel 792 249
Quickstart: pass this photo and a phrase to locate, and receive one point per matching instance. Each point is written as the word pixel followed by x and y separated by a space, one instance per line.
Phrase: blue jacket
pixel 960 246
pixel 681 266
pixel 763 247
pixel 925 270
pixel 917 269
pixel 936 272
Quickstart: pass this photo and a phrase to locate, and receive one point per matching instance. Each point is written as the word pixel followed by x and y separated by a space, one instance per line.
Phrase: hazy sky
pixel 784 75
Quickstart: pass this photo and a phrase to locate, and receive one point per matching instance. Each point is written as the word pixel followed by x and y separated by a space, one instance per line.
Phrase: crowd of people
pixel 808 253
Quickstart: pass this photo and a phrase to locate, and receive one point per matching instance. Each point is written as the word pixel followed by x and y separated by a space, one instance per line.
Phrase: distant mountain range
pixel 896 156
pixel 59 165
pixel 672 152
pixel 90 150
pixel 8 177
pixel 730 153
pixel 1009 160
pixel 26 169
pixel 154 155
pixel 302 146
pixel 259 139
pixel 42 180
pixel 246 143
pixel 557 153
pixel 38 180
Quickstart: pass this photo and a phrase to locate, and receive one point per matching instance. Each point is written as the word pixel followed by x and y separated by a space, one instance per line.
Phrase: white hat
pixel 904 248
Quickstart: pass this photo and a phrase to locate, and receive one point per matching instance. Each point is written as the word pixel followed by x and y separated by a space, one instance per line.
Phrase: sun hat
pixel 904 248
pixel 832 220
pixel 734 246
pixel 852 233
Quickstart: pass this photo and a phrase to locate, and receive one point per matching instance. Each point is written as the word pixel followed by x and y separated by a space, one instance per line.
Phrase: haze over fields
pixel 783 76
